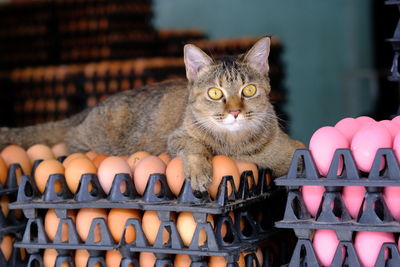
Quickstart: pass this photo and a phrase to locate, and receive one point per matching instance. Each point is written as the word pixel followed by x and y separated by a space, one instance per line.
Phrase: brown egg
pixel 16 154
pixel 75 169
pixel 135 158
pixel 4 201
pixel 108 168
pixel 150 224
pixel 165 157
pixel 51 222
pixel 40 151
pixel 182 260
pixel 148 165
pixel 223 166
pixel 59 150
pixel 219 261
pixel 248 166
pixel 50 257
pixel 44 170
pixel 124 157
pixel 186 226
pixel 99 159
pixel 147 259
pixel 73 156
pixel 81 258
pixel 116 223
pixel 84 219
pixel 91 154
pixel 7 245
pixel 3 171
pixel 113 258
pixel 175 175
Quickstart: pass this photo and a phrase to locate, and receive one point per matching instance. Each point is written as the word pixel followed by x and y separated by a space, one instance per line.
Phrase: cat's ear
pixel 258 55
pixel 195 59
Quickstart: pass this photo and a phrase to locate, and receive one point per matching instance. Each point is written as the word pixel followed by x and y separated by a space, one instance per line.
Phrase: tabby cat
pixel 222 108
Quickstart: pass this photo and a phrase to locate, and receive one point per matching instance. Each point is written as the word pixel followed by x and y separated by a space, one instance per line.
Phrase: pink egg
pixel 392 127
pixel 312 196
pixel 366 143
pixel 348 127
pixel 147 166
pixel 110 167
pixel 391 194
pixel 323 144
pixel 368 245
pixel 325 243
pixel 365 120
pixel 396 120
pixel 353 197
pixel 396 147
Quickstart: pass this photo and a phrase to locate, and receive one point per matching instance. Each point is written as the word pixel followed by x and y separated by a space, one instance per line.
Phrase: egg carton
pixel 345 255
pixel 98 260
pixel 11 185
pixel 332 213
pixel 29 199
pixel 239 236
pixel 11 223
pixel 271 257
pixel 16 258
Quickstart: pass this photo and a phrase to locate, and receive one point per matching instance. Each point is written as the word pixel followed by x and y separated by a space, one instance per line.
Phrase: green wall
pixel 328 49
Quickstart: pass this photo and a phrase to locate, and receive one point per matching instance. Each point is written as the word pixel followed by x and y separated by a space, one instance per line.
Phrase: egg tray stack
pixel 99 80
pixel 45 93
pixel 22 24
pixel 332 213
pixel 245 202
pixel 103 30
pixel 55 92
pixel 11 223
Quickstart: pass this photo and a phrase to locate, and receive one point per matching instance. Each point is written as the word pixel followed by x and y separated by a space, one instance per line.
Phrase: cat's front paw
pixel 198 169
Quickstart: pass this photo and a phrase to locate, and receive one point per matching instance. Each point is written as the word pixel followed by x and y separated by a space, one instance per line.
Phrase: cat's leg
pixel 276 155
pixel 195 156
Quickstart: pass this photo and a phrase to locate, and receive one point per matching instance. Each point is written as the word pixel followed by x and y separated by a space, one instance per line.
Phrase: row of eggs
pixel 362 135
pixel 113 257
pixel 117 218
pixel 352 197
pixel 139 165
pixel 146 259
pixel 366 244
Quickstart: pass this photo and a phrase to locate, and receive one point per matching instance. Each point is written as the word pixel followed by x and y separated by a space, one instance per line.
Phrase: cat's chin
pixel 231 127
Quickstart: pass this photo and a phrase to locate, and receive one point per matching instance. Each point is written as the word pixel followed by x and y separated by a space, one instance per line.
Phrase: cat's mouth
pixel 231 123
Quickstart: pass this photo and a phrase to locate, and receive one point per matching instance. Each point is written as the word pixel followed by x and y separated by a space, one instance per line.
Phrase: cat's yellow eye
pixel 249 90
pixel 215 93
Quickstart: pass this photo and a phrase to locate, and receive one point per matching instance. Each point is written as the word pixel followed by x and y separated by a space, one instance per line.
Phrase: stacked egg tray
pixel 332 213
pixel 245 202
pixel 11 223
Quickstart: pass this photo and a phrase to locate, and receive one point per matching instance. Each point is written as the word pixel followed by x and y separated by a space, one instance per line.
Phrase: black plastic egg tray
pixel 11 223
pixel 257 205
pixel 97 258
pixel 29 197
pixel 332 213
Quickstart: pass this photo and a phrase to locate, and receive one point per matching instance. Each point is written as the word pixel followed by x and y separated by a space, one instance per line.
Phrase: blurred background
pixel 329 59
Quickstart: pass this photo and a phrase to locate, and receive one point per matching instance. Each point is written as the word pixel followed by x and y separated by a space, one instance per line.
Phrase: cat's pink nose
pixel 234 112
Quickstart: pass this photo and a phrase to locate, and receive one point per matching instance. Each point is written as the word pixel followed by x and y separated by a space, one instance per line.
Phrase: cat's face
pixel 230 95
